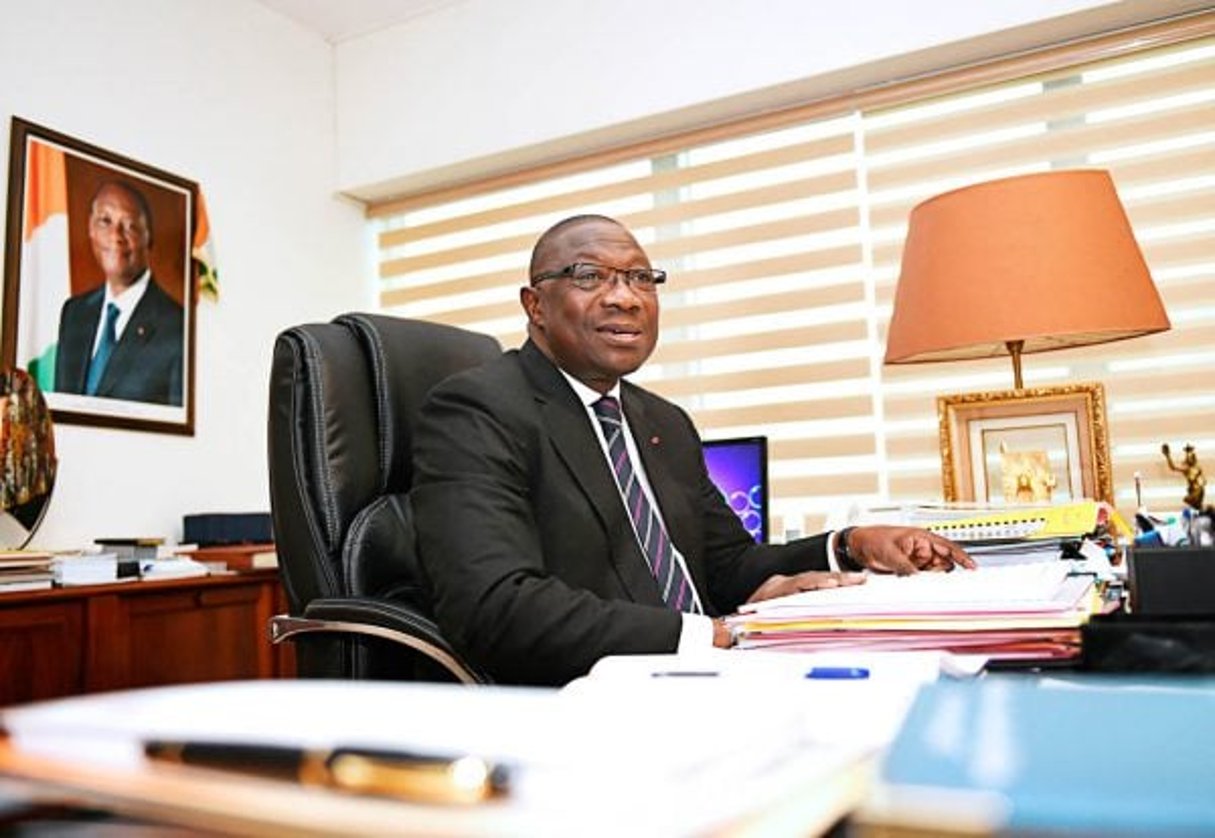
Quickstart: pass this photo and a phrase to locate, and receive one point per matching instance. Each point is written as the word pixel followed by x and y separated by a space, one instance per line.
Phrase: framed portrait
pixel 1030 446
pixel 99 298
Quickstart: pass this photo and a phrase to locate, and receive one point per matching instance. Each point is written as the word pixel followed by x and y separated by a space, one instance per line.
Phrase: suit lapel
pixel 574 439
pixel 79 349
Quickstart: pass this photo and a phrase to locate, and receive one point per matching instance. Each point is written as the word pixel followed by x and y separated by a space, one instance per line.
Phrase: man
pixel 123 339
pixel 556 530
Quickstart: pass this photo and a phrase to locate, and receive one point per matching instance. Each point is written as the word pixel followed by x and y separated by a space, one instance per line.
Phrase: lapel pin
pixel 654 440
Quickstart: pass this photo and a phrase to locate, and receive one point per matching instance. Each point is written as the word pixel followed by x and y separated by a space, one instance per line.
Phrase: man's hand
pixel 904 550
pixel 811 580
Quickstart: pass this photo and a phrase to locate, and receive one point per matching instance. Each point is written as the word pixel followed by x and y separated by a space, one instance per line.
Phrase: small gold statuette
pixel 1026 476
pixel 1194 479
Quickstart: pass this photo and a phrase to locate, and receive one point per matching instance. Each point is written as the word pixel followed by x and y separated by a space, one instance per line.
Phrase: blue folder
pixel 1098 755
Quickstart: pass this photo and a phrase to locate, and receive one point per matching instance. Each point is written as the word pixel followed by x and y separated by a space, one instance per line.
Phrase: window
pixel 783 237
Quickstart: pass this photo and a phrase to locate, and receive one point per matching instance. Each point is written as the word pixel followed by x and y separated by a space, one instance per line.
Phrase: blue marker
pixel 838 673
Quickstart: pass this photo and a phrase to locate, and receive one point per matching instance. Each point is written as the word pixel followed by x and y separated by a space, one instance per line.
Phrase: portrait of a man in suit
pixel 124 338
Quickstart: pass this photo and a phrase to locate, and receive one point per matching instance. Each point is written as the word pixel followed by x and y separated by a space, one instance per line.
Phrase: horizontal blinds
pixel 765 320
pixel 783 245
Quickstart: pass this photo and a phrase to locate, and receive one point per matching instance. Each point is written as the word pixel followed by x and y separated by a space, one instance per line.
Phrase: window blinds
pixel 783 239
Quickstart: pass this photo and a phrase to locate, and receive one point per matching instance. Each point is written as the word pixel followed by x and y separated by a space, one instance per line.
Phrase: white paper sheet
pixel 986 589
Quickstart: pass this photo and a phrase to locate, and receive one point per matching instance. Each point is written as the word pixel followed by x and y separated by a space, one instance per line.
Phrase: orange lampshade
pixel 1045 259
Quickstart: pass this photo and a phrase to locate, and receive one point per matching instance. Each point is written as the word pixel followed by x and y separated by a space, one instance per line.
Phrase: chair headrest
pixel 408 358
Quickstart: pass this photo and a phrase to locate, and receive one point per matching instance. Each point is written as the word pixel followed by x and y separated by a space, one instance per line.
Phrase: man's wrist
pixel 843 551
pixel 723 636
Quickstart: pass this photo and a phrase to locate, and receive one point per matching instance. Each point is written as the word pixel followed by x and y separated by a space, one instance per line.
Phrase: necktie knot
pixel 607 408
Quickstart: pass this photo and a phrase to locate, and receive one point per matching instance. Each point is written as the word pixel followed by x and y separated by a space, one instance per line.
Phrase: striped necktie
pixel 109 337
pixel 672 580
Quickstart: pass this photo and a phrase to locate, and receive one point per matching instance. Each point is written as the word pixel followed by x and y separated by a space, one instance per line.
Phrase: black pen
pixel 424 778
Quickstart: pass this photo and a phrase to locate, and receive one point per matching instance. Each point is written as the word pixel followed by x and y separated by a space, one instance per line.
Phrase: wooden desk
pixel 67 641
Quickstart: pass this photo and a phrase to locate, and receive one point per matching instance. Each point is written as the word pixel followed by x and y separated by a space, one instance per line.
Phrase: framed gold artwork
pixel 1035 445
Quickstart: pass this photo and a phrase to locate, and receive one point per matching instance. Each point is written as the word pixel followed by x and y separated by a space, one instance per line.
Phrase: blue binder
pixel 1099 755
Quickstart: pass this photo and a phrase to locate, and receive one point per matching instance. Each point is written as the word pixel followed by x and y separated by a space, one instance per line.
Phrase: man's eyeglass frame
pixel 641 279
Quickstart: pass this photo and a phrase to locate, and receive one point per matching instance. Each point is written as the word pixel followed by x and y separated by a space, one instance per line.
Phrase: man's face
pixel 120 236
pixel 596 336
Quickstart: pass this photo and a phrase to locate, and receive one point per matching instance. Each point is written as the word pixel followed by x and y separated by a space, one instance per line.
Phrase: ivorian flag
pixel 203 253
pixel 44 262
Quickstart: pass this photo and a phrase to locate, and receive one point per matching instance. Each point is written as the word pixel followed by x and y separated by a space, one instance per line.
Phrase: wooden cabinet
pixel 68 641
pixel 41 648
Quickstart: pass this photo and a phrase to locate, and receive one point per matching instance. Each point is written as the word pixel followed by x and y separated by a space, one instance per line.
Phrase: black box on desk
pixel 1134 643
pixel 218 528
pixel 1172 581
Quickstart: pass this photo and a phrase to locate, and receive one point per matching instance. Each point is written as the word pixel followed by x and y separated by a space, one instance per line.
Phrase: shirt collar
pixel 128 299
pixel 586 394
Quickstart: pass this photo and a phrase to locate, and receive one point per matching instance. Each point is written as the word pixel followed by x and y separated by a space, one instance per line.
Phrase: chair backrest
pixel 344 401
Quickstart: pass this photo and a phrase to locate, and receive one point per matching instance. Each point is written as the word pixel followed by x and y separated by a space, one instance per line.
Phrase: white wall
pixel 232 95
pixel 480 86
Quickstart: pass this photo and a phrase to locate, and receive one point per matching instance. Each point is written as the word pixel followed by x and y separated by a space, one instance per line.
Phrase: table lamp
pixel 1018 265
pixel 1022 264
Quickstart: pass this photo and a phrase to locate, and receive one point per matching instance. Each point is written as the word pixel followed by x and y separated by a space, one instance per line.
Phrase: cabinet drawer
pixel 41 653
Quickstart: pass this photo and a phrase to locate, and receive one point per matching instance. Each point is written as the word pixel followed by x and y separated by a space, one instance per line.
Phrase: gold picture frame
pixel 1040 444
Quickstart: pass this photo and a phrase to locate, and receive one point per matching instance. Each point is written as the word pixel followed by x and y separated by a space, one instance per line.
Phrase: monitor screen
pixel 739 468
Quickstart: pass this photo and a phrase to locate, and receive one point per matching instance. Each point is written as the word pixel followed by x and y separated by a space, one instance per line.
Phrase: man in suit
pixel 123 339
pixel 531 492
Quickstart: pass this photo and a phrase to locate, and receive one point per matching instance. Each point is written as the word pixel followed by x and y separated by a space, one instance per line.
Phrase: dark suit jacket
pixel 147 362
pixel 532 561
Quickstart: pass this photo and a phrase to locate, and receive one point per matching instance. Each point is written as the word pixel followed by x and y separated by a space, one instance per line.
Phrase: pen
pixel 838 673
pixel 684 673
pixel 425 778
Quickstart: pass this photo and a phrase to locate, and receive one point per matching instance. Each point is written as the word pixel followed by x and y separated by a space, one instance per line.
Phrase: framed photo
pixel 99 297
pixel 1037 445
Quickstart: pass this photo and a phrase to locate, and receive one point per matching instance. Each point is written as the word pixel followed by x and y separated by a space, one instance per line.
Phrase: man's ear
pixel 529 298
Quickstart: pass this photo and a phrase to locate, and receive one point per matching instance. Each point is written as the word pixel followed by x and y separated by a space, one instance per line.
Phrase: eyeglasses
pixel 587 276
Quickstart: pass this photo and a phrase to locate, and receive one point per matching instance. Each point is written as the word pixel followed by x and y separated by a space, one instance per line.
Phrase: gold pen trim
pixel 464 780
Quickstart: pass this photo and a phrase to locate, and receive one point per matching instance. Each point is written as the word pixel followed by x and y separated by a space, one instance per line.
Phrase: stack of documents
pixel 996 535
pixel 1017 611
pixel 579 763
pixel 86 569
pixel 971 522
pixel 24 570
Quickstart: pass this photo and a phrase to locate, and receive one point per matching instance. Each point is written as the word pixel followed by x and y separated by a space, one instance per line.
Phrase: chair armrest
pixel 376 618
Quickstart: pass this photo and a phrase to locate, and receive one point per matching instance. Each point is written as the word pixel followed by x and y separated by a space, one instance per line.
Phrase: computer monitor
pixel 739 468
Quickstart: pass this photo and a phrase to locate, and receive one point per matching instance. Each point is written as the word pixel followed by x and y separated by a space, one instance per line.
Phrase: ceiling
pixel 338 20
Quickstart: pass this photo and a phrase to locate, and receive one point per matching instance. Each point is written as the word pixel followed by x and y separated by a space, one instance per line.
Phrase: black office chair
pixel 344 399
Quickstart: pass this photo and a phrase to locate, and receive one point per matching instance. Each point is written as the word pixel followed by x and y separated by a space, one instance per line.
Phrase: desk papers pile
pixel 589 763
pixel 1018 611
